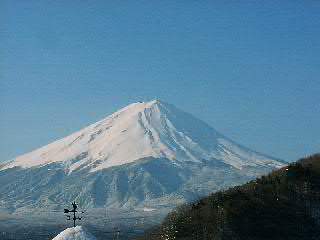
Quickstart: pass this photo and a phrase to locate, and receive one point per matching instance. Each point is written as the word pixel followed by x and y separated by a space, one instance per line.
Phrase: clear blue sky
pixel 251 69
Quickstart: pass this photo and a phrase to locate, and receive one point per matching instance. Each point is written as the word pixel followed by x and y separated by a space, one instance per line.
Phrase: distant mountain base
pixel 45 224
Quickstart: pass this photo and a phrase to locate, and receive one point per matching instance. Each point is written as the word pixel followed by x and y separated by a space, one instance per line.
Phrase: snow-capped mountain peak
pixel 146 155
pixel 140 130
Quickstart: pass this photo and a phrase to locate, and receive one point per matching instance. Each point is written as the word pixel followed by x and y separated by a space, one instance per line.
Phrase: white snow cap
pixel 74 233
pixel 144 129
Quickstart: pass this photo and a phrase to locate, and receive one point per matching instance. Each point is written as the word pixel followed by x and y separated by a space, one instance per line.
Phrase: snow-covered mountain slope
pixel 145 155
pixel 153 129
pixel 75 233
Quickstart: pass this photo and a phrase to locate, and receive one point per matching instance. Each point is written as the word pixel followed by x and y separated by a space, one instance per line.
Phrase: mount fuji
pixel 147 155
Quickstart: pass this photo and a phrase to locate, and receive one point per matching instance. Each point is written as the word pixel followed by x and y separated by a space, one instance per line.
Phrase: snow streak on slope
pixel 75 233
pixel 140 130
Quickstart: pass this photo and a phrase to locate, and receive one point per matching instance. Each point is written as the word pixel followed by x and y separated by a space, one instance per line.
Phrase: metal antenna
pixel 74 211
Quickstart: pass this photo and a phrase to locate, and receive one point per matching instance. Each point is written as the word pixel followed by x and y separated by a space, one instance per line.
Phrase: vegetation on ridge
pixel 282 205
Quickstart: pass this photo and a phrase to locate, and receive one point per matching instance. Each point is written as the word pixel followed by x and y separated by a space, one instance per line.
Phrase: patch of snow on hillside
pixel 74 233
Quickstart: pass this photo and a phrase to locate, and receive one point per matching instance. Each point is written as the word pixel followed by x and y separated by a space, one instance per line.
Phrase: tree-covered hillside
pixel 282 205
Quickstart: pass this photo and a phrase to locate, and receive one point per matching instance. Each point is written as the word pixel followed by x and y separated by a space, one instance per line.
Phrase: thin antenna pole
pixel 74 219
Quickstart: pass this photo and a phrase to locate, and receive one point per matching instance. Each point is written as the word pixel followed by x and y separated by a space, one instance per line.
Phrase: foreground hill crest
pixel 75 233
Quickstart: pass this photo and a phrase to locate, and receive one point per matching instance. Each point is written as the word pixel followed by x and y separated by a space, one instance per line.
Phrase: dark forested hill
pixel 282 205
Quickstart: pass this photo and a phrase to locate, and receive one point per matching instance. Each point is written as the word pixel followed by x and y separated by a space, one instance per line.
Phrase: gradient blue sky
pixel 249 68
